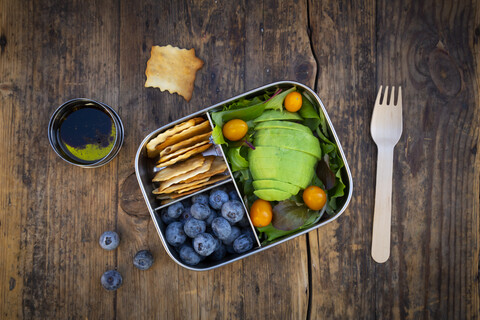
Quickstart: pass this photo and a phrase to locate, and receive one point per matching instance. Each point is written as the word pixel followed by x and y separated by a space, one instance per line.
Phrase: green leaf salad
pixel 280 155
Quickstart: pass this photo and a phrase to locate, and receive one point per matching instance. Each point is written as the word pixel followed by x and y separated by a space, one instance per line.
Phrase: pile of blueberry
pixel 208 225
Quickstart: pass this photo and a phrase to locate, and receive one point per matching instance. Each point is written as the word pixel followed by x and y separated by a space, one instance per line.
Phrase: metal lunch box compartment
pixel 144 168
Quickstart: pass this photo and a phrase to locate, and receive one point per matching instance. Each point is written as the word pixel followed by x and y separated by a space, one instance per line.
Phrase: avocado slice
pixel 275 184
pixel 272 194
pixel 289 139
pixel 282 125
pixel 277 115
pixel 273 163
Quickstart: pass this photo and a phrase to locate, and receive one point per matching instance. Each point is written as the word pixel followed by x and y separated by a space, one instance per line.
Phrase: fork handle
pixel 382 216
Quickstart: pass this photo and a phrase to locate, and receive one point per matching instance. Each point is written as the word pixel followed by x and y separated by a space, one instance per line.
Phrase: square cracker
pixel 197 129
pixel 204 183
pixel 181 178
pixel 184 156
pixel 160 138
pixel 218 166
pixel 173 69
pixel 185 143
pixel 179 168
pixel 179 186
pixel 181 151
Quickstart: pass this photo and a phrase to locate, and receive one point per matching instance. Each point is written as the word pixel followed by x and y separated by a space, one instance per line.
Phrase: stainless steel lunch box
pixel 144 168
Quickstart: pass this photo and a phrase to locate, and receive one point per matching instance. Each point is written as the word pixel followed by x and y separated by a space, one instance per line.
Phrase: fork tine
pixel 392 98
pixel 399 99
pixel 377 101
pixel 385 96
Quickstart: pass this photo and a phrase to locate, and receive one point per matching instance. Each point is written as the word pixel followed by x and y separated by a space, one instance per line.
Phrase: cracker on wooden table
pixel 184 156
pixel 173 69
pixel 198 129
pixel 179 168
pixel 185 143
pixel 205 167
pixel 160 138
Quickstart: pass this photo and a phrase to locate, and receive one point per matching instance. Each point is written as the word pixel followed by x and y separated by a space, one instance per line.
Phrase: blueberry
pixel 248 231
pixel 214 214
pixel 165 217
pixel 175 210
pixel 189 256
pixel 187 214
pixel 204 244
pixel 218 198
pixel 233 211
pixel 218 242
pixel 175 234
pixel 200 211
pixel 233 195
pixel 111 280
pixel 221 228
pixel 236 232
pixel 222 187
pixel 243 243
pixel 200 198
pixel 109 240
pixel 143 260
pixel 193 227
pixel 219 253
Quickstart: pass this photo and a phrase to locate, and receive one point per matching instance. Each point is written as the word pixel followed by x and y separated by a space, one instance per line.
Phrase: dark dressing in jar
pixel 87 133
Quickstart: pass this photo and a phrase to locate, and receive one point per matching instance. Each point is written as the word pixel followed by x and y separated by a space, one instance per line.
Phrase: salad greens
pixel 290 215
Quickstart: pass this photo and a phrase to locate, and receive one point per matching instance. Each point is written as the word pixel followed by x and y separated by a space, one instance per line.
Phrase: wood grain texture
pixel 222 35
pixel 342 268
pixel 52 213
pixel 425 49
pixel 436 200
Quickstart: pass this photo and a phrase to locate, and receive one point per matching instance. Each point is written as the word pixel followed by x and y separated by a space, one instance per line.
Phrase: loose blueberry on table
pixel 111 280
pixel 143 260
pixel 109 240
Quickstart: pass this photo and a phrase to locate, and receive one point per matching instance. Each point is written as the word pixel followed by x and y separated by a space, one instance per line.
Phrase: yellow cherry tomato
pixel 235 129
pixel 314 197
pixel 293 101
pixel 261 213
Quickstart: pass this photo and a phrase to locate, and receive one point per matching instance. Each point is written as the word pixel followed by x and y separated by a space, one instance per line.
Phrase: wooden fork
pixel 386 129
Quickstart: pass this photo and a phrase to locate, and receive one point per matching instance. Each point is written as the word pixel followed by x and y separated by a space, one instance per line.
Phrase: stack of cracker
pixel 183 168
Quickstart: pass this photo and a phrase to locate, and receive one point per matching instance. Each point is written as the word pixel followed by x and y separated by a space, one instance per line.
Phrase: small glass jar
pixel 85 133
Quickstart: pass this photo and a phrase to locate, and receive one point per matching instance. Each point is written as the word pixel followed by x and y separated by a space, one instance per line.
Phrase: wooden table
pixel 52 213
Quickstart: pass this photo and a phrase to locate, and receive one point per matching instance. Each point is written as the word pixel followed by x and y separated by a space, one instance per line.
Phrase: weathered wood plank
pixel 343 38
pixel 428 49
pixel 56 212
pixel 76 56
pixel 15 69
pixel 432 233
